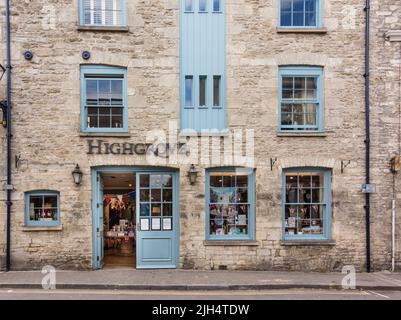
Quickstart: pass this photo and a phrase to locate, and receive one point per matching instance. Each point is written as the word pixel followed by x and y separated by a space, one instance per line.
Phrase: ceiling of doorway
pixel 118 181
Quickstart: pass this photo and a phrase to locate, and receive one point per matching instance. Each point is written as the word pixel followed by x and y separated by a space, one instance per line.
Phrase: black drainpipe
pixel 9 186
pixel 367 133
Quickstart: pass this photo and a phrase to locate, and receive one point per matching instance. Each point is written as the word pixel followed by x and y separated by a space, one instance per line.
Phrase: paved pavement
pixel 130 279
pixel 198 296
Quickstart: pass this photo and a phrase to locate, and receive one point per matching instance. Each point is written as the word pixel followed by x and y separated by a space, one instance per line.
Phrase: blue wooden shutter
pixel 203 51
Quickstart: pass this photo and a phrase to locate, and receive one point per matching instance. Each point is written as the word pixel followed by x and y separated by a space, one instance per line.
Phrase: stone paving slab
pixel 128 279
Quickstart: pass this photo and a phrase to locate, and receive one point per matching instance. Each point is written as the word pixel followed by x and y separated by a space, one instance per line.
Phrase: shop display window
pixel 306 204
pixel 230 204
pixel 42 208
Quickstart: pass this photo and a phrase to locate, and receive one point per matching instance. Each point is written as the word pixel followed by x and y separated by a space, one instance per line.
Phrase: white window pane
pixel 188 91
pixel 188 5
pixel 87 5
pixel 229 209
pixel 202 91
pixel 298 5
pixel 305 203
pixel 103 12
pixel 117 92
pixel 310 5
pixel 298 19
pixel 104 92
pixel 109 16
pixel 310 19
pixel 216 91
pixel 117 5
pixel 87 18
pixel 91 92
pixel 97 5
pixel 97 17
pixel 109 5
pixel 216 5
pixel 202 5
pixel 286 5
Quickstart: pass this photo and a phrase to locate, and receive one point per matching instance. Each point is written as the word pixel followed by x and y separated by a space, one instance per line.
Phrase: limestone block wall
pixel 255 51
pixel 386 99
pixel 46 96
pixel 2 144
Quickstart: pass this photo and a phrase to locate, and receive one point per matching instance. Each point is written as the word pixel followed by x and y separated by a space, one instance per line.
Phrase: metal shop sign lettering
pixel 127 148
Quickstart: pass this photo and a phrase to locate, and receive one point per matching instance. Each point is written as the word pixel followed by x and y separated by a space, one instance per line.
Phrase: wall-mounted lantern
pixel 395 164
pixel 273 161
pixel 77 175
pixel 3 116
pixel 192 174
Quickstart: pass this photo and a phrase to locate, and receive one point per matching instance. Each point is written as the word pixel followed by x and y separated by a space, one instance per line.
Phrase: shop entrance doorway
pixel 135 218
pixel 119 210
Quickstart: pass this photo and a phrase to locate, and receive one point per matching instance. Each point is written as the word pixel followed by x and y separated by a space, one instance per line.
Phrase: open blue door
pixel 157 220
pixel 98 226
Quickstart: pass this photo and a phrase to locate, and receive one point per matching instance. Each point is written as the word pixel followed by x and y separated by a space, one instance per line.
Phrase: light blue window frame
pixel 42 193
pixel 103 72
pixel 251 201
pixel 319 17
pixel 303 71
pixel 123 16
pixel 327 204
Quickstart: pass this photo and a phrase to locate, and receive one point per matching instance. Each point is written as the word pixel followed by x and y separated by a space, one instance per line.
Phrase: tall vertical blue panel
pixel 203 54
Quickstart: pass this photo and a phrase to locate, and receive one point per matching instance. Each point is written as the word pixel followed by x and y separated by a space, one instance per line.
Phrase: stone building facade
pixel 49 141
pixel 385 107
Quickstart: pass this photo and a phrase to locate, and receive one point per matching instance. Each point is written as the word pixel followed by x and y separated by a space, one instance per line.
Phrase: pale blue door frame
pixel 97 221
pixel 155 249
pixel 157 245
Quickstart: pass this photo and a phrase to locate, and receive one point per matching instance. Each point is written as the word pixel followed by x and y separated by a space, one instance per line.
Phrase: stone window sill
pixel 301 134
pixel 232 243
pixel 103 29
pixel 105 134
pixel 308 243
pixel 302 30
pixel 37 229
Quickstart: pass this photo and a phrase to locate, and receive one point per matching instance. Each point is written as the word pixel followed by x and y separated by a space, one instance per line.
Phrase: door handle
pixel 98 232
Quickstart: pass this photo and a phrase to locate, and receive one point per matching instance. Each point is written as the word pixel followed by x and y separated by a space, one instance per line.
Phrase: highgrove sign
pixel 102 147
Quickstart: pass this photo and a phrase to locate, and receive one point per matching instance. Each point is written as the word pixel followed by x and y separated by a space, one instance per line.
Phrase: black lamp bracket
pixel 3 71
pixel 3 105
pixel 344 164
pixel 273 161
